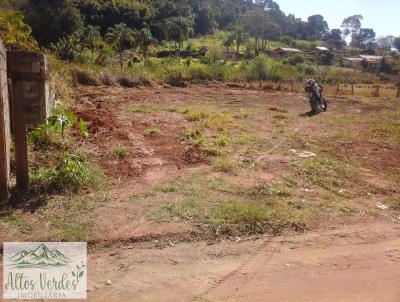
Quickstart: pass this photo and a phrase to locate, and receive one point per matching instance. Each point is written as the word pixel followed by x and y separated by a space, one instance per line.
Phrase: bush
pixel 71 172
pixel 296 59
pixel 127 80
pixel 108 79
pixel 85 77
pixel 175 78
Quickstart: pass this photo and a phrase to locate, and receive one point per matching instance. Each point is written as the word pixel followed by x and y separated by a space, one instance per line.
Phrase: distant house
pixel 355 62
pixel 283 52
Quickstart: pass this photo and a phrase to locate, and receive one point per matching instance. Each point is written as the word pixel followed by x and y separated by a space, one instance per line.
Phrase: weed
pixel 119 152
pixel 70 172
pixel 143 108
pixel 191 133
pixel 13 220
pixel 273 189
pixel 153 131
pixel 224 165
pixel 223 140
pixel 326 173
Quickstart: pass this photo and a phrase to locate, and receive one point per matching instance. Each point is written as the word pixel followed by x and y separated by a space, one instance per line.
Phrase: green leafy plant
pixel 119 152
pixel 71 172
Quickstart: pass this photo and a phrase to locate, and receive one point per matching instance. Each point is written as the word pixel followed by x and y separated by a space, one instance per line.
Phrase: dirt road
pixel 354 263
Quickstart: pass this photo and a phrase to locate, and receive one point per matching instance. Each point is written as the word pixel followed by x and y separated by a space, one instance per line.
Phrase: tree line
pixel 59 23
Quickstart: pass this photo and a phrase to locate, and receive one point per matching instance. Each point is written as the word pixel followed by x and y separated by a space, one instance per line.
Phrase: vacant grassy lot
pixel 211 161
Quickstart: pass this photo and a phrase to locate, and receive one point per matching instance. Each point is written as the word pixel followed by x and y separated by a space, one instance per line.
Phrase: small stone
pixel 108 282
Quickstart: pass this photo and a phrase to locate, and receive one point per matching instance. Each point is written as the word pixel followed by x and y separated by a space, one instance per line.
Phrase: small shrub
pixel 175 78
pixel 191 133
pixel 296 59
pixel 153 131
pixel 128 81
pixel 85 77
pixel 71 172
pixel 108 79
pixel 119 152
pixel 194 115
pixel 224 165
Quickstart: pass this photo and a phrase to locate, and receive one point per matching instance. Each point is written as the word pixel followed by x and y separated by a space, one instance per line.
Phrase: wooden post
pixel 398 92
pixel 292 85
pixel 337 88
pixel 20 140
pixel 352 88
pixel 4 126
pixel 377 90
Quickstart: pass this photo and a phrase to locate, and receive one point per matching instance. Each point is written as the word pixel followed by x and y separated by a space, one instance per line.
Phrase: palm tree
pixel 123 37
pixel 145 39
pixel 91 37
pixel 179 29
pixel 228 42
pixel 240 37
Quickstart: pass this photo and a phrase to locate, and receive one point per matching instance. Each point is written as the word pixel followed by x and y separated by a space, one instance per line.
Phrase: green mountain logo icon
pixel 40 257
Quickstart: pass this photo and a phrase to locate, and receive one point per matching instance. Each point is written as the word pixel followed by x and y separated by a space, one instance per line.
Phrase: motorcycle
pixel 317 101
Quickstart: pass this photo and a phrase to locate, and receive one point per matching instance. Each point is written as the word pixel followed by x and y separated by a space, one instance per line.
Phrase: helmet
pixel 310 82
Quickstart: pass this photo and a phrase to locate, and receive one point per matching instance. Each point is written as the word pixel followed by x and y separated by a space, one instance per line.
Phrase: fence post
pixel 398 92
pixel 19 131
pixel 4 126
pixel 352 88
pixel 377 90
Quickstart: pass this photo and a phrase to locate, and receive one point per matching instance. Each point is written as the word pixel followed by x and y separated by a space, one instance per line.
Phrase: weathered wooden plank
pixel 4 126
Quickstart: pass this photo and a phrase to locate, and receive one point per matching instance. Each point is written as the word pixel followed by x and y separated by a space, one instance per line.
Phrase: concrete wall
pixel 4 125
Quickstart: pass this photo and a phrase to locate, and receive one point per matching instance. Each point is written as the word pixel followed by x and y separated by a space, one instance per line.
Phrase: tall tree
pixel 334 38
pixel 122 37
pixel 228 41
pixel 240 36
pixel 317 27
pixel 179 29
pixel 352 25
pixel 52 20
pixel 396 43
pixel 363 37
pixel 145 39
pixel 91 37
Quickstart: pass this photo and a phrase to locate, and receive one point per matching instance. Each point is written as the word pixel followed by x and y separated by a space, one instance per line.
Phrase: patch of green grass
pixel 143 108
pixel 244 216
pixel 195 115
pixel 153 131
pixel 211 118
pixel 272 189
pixel 13 220
pixel 159 215
pixel 119 152
pixel 327 173
pixel 70 230
pixel 224 165
pixel 223 140
pixel 191 133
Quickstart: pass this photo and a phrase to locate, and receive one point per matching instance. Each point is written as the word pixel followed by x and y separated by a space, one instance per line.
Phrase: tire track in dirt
pixel 220 281
pixel 252 256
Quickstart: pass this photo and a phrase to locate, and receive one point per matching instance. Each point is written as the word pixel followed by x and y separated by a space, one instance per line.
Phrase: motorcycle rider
pixel 315 89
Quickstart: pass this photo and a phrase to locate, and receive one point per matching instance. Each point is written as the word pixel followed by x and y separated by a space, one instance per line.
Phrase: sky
pixel 381 15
